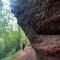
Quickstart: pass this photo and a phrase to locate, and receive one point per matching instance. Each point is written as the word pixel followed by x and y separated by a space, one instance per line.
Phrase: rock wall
pixel 40 19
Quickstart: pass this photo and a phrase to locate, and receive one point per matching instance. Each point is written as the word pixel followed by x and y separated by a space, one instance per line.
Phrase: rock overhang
pixel 41 22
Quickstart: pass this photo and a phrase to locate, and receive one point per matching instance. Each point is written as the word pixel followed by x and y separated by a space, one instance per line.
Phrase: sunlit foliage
pixel 11 35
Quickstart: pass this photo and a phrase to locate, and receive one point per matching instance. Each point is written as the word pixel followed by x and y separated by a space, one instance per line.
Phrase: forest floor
pixel 27 54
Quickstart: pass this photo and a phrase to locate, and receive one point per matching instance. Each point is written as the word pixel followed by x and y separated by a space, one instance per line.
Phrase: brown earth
pixel 26 54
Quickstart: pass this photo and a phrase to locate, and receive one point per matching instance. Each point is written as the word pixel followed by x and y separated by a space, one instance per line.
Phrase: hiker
pixel 23 46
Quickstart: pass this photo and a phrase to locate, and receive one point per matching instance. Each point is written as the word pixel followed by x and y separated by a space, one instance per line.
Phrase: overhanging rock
pixel 40 19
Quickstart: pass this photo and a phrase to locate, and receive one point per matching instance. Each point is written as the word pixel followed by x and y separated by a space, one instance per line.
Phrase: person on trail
pixel 23 46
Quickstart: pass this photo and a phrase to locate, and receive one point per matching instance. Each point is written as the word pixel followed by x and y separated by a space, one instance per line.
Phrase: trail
pixel 26 54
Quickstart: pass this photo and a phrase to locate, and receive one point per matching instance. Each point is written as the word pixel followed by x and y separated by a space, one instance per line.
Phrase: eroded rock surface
pixel 40 19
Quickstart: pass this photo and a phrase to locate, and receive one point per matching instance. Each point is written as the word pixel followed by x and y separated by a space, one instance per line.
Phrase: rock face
pixel 40 19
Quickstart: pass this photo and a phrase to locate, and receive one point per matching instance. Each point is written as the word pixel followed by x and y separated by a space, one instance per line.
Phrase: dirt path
pixel 27 54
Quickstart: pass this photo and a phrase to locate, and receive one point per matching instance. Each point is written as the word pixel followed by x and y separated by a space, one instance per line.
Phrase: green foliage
pixel 9 56
pixel 11 35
